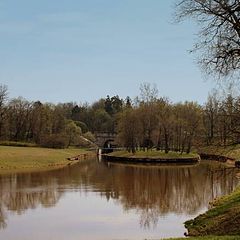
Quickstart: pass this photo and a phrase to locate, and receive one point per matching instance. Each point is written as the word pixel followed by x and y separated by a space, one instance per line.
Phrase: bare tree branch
pixel 219 36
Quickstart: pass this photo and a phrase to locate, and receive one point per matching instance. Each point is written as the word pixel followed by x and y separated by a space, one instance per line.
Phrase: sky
pixel 78 50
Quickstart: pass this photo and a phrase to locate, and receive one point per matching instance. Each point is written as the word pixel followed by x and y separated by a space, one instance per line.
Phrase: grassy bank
pixel 228 151
pixel 17 159
pixel 224 216
pixel 208 238
pixel 222 219
pixel 17 144
pixel 153 154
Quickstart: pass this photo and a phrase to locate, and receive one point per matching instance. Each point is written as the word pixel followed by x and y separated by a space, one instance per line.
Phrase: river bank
pixel 152 156
pixel 22 159
pixel 223 218
pixel 227 154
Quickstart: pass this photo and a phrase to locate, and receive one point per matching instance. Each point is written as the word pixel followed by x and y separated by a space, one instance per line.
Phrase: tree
pixel 103 122
pixel 148 92
pixel 210 117
pixel 219 37
pixel 164 115
pixel 3 109
pixel 147 113
pixel 73 132
pixel 128 102
pixel 193 120
pixel 76 113
pixel 128 129
pixel 108 105
pixel 19 111
pixel 117 104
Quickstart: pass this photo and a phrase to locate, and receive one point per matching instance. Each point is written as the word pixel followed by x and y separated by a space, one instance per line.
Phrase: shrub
pixel 82 125
pixel 89 136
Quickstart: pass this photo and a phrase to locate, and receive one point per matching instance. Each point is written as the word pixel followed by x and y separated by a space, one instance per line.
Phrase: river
pixel 100 201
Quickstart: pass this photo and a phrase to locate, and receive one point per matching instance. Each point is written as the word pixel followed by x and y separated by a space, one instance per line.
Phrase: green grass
pixel 208 238
pixel 153 154
pixel 222 219
pixel 32 158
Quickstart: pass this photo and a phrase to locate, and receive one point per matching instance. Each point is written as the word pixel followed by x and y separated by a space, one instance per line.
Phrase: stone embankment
pixel 190 160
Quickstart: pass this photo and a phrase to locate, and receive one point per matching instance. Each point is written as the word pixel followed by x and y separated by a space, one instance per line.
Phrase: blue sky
pixel 78 50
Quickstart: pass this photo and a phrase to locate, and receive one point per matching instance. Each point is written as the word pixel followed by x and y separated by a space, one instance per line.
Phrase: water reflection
pixel 152 192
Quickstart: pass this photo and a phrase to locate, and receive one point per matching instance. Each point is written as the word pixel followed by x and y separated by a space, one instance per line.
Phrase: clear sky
pixel 81 50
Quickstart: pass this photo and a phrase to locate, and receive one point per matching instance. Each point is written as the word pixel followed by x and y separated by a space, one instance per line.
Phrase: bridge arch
pixel 104 139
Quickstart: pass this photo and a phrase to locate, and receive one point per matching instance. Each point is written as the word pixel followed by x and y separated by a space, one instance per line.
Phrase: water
pixel 96 200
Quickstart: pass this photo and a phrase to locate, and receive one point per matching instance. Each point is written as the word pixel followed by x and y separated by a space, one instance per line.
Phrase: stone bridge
pixel 105 140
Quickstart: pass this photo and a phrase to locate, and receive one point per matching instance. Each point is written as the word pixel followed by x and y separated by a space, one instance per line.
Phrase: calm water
pixel 95 200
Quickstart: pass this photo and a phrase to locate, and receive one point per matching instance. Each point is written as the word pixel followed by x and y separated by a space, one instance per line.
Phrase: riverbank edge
pixel 134 159
pixel 49 166
pixel 46 168
pixel 218 220
pixel 219 158
pixel 223 218
pixel 195 226
pixel 226 154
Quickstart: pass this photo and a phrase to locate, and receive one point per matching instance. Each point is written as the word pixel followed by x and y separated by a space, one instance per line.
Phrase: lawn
pixel 34 158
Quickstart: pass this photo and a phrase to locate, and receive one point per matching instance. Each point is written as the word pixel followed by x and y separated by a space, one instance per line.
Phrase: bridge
pixel 105 140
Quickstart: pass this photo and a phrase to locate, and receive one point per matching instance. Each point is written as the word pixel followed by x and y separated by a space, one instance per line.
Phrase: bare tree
pixel 219 36
pixel 128 129
pixel 3 98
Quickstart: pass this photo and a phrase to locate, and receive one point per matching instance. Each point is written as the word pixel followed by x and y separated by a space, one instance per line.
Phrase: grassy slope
pixel 229 151
pixel 31 158
pixel 222 219
pixel 152 154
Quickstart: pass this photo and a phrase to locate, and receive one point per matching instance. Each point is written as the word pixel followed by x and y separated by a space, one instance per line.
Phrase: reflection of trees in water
pixel 151 191
pixel 3 223
pixel 155 192
pixel 149 217
pixel 21 192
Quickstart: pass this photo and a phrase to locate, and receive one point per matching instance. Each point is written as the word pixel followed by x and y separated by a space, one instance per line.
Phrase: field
pixel 13 159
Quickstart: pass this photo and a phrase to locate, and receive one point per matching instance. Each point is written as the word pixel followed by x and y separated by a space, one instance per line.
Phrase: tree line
pixel 148 121
pixel 55 125
pixel 156 122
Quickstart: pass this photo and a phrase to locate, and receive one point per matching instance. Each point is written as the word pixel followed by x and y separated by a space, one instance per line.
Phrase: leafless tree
pixel 219 35
pixel 3 98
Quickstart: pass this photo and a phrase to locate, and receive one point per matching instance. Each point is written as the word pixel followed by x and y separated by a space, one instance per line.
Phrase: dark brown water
pixel 95 200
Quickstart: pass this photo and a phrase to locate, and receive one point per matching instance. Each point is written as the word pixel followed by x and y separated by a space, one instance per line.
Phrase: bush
pixel 54 141
pixel 89 136
pixel 82 125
